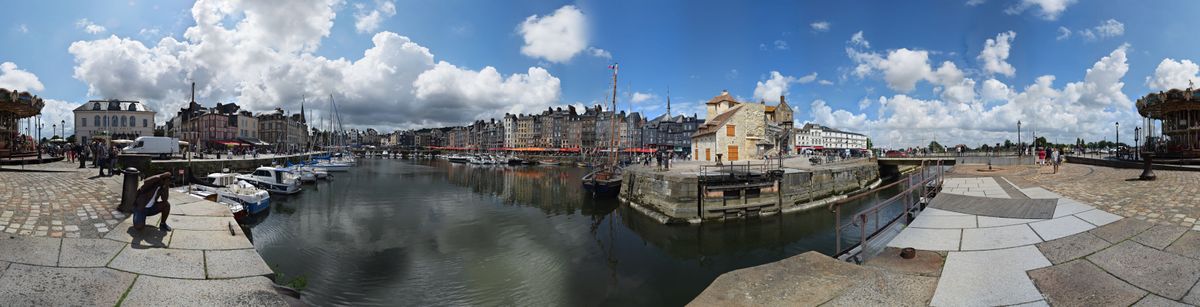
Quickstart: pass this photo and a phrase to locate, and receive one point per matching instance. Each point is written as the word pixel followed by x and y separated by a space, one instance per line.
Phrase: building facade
pixel 113 120
pixel 816 137
pixel 736 131
pixel 284 132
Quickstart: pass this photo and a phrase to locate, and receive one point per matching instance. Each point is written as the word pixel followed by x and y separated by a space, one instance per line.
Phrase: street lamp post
pixel 1020 149
pixel 1118 145
pixel 1137 145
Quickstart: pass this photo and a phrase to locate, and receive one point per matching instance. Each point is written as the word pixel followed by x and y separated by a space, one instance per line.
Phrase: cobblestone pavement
pixel 70 203
pixel 1170 200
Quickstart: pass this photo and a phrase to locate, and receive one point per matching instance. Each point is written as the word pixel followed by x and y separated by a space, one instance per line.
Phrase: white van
pixel 162 146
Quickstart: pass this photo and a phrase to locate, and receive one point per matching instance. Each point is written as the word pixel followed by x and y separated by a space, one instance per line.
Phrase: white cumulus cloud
pixel 820 26
pixel 89 26
pixel 368 21
pixel 639 97
pixel 777 85
pixel 556 37
pixel 1046 9
pixel 13 78
pixel 264 59
pixel 1063 33
pixel 1108 28
pixel 1173 74
pixel 995 54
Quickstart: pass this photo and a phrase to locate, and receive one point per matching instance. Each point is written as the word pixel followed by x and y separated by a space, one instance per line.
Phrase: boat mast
pixel 612 155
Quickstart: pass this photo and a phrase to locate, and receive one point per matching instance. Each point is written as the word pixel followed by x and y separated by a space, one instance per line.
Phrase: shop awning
pixel 230 143
pixel 253 141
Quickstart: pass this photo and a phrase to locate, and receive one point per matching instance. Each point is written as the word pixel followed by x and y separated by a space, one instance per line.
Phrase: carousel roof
pixel 21 104
pixel 1156 105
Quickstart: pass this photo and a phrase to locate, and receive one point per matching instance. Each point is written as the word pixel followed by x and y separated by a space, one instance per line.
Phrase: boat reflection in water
pixel 431 232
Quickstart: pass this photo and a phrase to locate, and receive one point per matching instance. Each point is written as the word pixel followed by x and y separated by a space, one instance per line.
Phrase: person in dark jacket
pixel 151 200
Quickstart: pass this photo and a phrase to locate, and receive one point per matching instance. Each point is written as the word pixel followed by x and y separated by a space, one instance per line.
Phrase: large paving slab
pixel 182 222
pixel 1159 272
pixel 1160 236
pixel 28 285
pixel 29 250
pixel 989 278
pixel 235 263
pixel 1193 296
pixel 1188 245
pixel 148 237
pixel 156 291
pixel 83 252
pixel 1040 193
pixel 1060 227
pixel 934 221
pixel 888 289
pixel 1121 230
pixel 924 263
pixel 1068 206
pixel 997 207
pixel 1071 247
pixel 988 221
pixel 1081 283
pixel 940 212
pixel 209 240
pixel 201 208
pixel 998 237
pixel 1098 217
pixel 164 262
pixel 1158 301
pixel 927 239
pixel 808 279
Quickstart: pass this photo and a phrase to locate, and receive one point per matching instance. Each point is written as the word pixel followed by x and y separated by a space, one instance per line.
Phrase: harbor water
pixel 431 232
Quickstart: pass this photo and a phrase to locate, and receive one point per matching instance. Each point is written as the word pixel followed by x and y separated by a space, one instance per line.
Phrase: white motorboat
pixel 305 175
pixel 321 173
pixel 331 166
pixel 242 197
pixel 273 179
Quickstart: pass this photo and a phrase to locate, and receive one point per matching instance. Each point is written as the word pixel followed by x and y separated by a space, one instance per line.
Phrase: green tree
pixel 935 147
pixel 869 145
pixel 1008 143
pixel 1040 141
pixel 71 139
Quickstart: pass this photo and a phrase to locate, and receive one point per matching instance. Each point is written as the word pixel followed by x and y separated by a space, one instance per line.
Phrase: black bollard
pixel 129 190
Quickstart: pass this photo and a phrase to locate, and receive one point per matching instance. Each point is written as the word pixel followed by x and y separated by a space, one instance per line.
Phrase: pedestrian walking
pixel 1041 154
pixel 1055 158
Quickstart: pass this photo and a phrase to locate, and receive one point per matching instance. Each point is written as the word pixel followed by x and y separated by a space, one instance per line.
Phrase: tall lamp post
pixel 1137 145
pixel 1118 145
pixel 64 129
pixel 1020 149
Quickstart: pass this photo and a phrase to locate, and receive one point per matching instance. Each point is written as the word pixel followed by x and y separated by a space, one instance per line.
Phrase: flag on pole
pixel 613 66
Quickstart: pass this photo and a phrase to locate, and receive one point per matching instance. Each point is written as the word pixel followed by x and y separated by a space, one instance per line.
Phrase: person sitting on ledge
pixel 152 199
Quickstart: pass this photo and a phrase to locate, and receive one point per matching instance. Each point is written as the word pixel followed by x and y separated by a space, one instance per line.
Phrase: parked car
pixel 154 145
pixel 895 154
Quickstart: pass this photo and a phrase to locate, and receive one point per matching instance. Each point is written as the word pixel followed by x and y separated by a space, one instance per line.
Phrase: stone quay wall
pixel 673 197
pixel 203 167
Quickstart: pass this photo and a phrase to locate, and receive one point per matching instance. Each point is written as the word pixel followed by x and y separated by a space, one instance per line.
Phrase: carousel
pixel 14 107
pixel 1178 114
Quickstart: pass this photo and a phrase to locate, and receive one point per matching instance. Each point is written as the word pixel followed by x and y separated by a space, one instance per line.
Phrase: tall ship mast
pixel 606 180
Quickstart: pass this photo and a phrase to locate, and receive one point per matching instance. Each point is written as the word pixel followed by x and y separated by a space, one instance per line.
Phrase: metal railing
pixel 733 170
pixel 871 216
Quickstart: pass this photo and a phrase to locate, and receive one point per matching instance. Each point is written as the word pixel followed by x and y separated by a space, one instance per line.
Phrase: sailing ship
pixel 606 179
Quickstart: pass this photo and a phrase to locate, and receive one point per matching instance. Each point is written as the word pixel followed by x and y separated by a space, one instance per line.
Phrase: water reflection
pixel 397 232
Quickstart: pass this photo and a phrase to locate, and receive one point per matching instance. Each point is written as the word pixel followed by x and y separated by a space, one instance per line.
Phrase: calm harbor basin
pixel 431 232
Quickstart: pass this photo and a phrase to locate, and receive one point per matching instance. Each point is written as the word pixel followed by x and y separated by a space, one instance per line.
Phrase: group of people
pixel 661 160
pixel 1050 156
pixel 103 156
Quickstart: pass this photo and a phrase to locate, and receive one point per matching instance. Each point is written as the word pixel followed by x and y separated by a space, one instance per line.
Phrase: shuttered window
pixel 729 130
pixel 733 153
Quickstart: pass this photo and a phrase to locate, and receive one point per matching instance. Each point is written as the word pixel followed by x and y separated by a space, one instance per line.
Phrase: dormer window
pixel 96 107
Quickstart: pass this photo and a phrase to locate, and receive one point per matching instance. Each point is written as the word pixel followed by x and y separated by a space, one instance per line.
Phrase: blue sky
pixel 405 64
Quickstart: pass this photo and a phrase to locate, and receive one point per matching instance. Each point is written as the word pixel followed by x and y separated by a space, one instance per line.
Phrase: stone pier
pixel 64 244
pixel 672 196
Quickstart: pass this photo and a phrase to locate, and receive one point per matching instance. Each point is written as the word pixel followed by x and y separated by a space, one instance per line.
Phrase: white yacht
pixel 273 179
pixel 242 197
